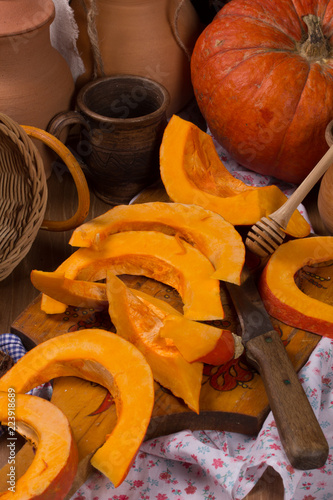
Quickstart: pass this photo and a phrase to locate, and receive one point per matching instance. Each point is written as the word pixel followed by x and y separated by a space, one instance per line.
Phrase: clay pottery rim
pixel 143 81
pixel 17 24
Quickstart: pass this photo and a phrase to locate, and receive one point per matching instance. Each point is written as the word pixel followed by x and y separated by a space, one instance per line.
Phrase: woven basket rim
pixel 23 194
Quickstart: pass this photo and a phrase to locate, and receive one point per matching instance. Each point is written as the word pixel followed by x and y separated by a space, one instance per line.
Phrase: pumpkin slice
pixel 155 255
pixel 192 172
pixel 207 231
pixel 75 293
pixel 201 342
pixel 195 341
pixel 106 359
pixel 283 299
pixel 137 323
pixel 54 466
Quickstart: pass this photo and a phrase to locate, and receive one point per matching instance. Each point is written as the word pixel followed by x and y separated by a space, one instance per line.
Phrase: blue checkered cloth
pixel 12 345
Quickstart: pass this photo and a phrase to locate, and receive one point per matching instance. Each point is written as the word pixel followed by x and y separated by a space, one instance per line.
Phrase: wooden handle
pixel 301 436
pixel 282 215
pixel 77 174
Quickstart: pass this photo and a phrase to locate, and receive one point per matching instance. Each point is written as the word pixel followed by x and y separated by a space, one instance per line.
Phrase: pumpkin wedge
pixel 155 255
pixel 75 293
pixel 54 466
pixel 207 231
pixel 196 341
pixel 137 323
pixel 283 299
pixel 192 172
pixel 199 342
pixel 106 359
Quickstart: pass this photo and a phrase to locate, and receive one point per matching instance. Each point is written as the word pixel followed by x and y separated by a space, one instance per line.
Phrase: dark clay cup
pixel 122 119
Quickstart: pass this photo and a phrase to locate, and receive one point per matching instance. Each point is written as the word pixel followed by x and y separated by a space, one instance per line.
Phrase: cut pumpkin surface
pixel 54 466
pixel 195 341
pixel 201 342
pixel 106 359
pixel 193 173
pixel 75 293
pixel 137 323
pixel 155 255
pixel 207 231
pixel 280 293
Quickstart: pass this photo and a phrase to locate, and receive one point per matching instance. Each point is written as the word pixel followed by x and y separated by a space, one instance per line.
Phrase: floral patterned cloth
pixel 211 465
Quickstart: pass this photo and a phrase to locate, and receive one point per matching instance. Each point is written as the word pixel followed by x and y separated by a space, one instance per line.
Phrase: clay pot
pixel 123 118
pixel 149 38
pixel 325 200
pixel 36 82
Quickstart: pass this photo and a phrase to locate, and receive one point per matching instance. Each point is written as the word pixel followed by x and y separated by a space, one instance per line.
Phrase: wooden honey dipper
pixel 266 235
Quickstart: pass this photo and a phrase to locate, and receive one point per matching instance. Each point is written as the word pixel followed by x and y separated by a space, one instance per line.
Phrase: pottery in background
pixel 36 82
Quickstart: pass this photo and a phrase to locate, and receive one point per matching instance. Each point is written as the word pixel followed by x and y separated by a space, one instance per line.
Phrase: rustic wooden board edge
pixel 218 421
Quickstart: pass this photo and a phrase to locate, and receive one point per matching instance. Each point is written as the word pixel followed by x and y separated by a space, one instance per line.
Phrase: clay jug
pixel 325 200
pixel 149 38
pixel 36 82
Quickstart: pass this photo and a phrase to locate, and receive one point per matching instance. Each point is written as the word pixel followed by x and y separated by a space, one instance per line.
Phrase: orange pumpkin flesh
pixel 137 323
pixel 265 89
pixel 75 293
pixel 54 466
pixel 106 359
pixel 192 172
pixel 195 341
pixel 200 342
pixel 283 299
pixel 155 255
pixel 216 238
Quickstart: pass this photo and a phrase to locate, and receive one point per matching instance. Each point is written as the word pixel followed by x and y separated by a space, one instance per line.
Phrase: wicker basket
pixel 23 194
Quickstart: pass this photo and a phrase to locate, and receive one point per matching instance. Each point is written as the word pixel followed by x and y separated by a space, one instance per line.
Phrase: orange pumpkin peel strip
pixel 282 297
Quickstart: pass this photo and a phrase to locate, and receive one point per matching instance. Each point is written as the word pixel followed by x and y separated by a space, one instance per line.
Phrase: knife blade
pixel 301 435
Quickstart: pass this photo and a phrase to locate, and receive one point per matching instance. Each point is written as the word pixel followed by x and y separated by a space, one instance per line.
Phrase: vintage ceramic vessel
pixel 36 82
pixel 325 200
pixel 150 38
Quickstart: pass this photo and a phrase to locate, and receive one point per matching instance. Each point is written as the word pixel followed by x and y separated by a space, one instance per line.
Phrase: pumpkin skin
pixel 283 299
pixel 54 466
pixel 264 90
pixel 192 172
pixel 106 359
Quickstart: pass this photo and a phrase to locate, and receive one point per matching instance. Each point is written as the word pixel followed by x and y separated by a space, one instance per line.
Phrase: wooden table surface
pixel 51 248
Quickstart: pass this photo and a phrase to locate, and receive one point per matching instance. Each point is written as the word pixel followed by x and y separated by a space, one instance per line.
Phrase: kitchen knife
pixel 300 433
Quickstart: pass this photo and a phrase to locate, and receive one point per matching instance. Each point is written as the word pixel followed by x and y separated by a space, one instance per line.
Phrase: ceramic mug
pixel 122 120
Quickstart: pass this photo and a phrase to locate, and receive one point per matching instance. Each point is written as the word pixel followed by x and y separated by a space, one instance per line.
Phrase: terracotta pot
pixel 149 38
pixel 325 200
pixel 36 82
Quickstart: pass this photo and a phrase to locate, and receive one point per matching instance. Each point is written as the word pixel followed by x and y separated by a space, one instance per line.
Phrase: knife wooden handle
pixel 300 433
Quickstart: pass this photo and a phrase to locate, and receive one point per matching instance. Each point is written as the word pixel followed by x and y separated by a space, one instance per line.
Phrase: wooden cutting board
pixel 232 396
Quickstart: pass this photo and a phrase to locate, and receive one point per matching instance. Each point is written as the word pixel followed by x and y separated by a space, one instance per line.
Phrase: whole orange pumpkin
pixel 262 73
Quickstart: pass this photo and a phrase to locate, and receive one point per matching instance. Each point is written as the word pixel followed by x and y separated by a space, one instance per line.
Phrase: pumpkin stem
pixel 316 46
